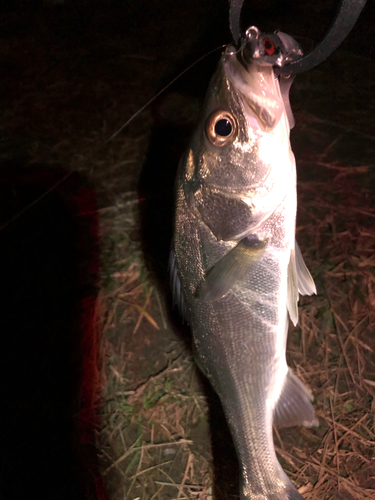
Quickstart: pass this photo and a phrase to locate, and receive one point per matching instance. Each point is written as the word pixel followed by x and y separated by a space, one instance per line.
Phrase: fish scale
pixel 235 260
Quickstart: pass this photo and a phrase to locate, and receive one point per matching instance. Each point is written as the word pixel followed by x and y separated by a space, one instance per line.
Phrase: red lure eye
pixel 269 46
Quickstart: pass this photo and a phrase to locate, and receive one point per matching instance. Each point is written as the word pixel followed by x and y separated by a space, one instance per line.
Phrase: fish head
pixel 240 149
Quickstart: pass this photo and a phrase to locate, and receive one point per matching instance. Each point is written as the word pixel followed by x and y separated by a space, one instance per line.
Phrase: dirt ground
pixel 74 75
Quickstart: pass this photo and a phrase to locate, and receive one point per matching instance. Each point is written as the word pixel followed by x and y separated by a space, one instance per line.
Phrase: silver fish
pixel 236 269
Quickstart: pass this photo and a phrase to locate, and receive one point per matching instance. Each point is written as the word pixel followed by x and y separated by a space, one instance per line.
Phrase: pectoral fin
pixel 294 405
pixel 299 281
pixel 231 268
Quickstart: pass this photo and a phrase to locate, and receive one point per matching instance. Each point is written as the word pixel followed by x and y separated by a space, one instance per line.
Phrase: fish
pixel 236 268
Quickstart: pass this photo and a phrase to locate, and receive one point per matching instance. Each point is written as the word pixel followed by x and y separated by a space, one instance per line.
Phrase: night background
pixel 100 396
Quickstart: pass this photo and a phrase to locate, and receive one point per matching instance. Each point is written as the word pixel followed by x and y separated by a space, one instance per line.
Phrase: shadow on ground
pixel 48 269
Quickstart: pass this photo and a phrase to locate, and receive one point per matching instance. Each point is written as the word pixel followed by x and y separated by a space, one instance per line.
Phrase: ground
pixel 75 74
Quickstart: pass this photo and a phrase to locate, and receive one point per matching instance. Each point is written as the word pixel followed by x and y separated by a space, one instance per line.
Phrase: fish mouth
pixel 257 89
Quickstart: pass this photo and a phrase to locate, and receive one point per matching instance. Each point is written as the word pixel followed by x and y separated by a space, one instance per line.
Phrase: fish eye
pixel 221 128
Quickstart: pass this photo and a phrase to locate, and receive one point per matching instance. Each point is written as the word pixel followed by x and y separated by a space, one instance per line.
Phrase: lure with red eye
pixel 269 46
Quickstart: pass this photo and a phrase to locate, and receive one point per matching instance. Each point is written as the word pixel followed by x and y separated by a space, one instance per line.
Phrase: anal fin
pixel 294 405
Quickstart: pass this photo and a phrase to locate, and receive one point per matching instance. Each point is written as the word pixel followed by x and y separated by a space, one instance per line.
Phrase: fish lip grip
pixel 346 17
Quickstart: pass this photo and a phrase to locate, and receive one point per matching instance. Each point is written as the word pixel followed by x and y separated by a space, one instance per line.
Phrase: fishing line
pixel 54 186
pixel 347 15
pixel 161 91
pixel 37 200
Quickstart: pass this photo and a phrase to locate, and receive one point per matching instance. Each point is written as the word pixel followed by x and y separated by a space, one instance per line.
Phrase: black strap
pixel 346 17
pixel 235 7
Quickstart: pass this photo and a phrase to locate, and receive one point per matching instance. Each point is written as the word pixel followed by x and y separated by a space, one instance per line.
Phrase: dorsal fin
pixel 306 285
pixel 292 289
pixel 299 281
